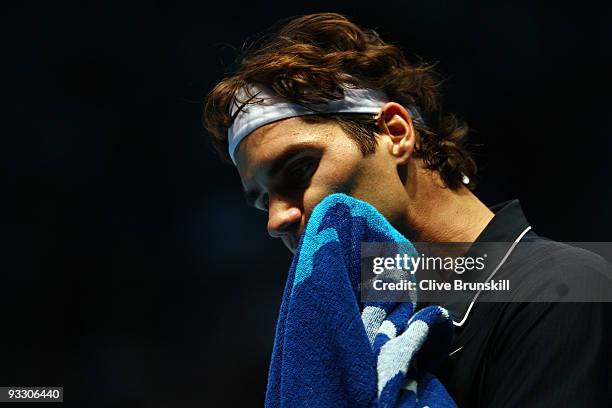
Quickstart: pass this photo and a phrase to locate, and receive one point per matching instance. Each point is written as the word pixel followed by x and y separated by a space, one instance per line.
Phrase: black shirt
pixel 531 354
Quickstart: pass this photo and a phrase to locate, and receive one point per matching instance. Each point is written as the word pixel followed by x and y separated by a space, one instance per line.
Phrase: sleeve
pixel 551 355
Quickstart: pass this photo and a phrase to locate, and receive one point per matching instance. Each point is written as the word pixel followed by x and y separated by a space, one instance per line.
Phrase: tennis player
pixel 322 105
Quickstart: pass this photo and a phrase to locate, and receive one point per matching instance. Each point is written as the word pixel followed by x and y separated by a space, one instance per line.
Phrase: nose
pixel 283 217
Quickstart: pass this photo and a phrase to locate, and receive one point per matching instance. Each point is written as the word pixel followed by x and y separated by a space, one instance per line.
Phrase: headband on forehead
pixel 270 107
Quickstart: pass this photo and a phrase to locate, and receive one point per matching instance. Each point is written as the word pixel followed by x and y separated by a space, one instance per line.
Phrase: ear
pixel 396 123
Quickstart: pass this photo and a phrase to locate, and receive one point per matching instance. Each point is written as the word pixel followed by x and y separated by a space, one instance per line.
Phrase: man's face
pixel 289 166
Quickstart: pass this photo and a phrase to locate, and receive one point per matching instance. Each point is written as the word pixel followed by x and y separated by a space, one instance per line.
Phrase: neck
pixel 439 214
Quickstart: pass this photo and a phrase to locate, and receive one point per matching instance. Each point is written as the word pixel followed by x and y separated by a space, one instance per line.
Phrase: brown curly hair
pixel 311 57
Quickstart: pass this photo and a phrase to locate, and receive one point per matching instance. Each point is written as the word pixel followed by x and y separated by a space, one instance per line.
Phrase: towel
pixel 331 349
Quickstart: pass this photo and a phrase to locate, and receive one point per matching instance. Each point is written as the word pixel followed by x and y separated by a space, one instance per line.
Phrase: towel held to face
pixel 331 349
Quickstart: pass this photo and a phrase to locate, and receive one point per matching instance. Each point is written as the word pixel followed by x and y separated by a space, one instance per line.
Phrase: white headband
pixel 270 107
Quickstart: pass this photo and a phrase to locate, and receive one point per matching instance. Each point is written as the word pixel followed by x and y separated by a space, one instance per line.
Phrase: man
pixel 325 106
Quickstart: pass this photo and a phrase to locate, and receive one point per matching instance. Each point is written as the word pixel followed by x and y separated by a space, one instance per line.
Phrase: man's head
pixel 288 166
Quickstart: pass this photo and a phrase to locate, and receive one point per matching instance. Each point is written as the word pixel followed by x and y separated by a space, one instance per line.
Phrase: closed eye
pixel 291 171
pixel 300 172
pixel 294 177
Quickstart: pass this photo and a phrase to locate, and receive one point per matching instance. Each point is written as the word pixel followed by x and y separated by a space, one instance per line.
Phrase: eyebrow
pixel 277 165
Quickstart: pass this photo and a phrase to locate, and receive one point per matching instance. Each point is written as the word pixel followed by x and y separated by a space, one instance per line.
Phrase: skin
pixel 414 200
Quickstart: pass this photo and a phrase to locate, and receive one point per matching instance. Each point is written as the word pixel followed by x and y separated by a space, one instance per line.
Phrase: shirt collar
pixel 507 226
pixel 507 223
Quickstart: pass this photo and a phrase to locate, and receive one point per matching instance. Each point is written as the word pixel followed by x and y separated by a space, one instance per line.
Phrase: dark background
pixel 132 272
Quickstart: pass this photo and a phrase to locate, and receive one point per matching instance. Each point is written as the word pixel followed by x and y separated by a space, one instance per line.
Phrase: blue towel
pixel 332 350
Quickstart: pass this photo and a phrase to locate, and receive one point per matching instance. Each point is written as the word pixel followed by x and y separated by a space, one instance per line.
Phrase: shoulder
pixel 560 289
pixel 550 271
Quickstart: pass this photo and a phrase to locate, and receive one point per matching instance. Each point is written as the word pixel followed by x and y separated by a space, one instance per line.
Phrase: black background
pixel 133 273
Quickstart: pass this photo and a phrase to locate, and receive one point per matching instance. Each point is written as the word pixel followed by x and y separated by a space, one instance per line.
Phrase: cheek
pixel 331 178
pixel 367 179
pixel 343 169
